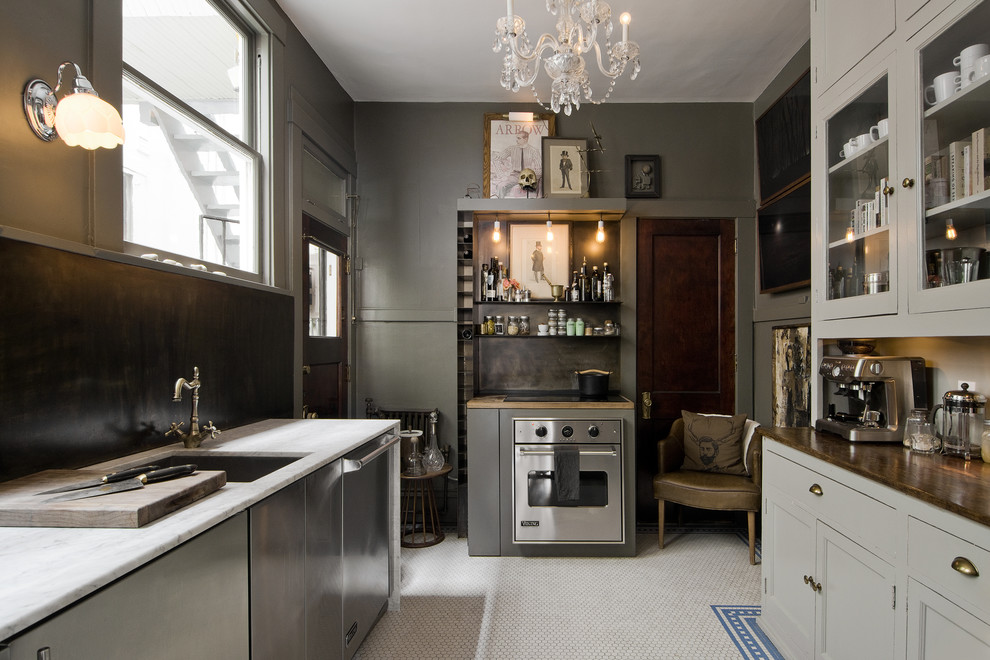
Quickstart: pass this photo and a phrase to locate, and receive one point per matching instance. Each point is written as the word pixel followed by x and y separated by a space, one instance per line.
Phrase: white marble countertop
pixel 45 569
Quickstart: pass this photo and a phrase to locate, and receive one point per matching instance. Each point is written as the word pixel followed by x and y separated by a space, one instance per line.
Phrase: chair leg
pixel 751 519
pixel 660 523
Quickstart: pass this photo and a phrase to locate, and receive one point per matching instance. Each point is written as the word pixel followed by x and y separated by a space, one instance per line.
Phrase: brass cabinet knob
pixel 816 490
pixel 888 190
pixel 907 182
pixel 965 566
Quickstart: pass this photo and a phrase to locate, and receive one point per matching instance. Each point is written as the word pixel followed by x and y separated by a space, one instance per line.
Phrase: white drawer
pixel 865 519
pixel 932 553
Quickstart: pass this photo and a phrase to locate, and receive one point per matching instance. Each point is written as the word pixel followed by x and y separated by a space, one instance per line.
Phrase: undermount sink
pixel 239 467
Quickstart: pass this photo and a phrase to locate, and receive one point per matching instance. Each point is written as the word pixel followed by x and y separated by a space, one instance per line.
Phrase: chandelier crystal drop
pixel 562 56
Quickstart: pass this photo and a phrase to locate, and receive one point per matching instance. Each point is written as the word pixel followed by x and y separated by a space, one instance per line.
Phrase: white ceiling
pixel 441 50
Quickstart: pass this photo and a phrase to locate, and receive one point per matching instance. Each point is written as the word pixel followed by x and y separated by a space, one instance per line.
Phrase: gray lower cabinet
pixel 189 603
pixel 296 569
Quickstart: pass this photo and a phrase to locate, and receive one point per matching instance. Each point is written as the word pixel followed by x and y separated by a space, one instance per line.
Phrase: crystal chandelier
pixel 563 56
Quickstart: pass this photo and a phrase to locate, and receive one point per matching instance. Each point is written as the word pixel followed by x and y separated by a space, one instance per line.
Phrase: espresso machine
pixel 866 398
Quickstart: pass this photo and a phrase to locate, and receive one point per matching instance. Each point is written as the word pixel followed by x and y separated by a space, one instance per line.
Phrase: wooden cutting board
pixel 21 506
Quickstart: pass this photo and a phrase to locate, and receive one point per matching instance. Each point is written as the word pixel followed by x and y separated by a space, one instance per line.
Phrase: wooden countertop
pixel 498 401
pixel 962 487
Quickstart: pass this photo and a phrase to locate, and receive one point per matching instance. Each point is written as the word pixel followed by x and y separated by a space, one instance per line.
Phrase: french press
pixel 962 422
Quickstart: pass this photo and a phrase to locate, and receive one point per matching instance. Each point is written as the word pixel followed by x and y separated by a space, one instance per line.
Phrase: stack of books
pixel 965 164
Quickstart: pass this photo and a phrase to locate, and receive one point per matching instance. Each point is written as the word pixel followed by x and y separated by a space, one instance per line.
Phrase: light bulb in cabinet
pixel 496 235
pixel 549 230
pixel 850 233
pixel 600 236
pixel 950 230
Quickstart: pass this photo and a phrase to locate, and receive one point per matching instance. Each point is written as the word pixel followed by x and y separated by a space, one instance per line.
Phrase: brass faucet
pixel 194 438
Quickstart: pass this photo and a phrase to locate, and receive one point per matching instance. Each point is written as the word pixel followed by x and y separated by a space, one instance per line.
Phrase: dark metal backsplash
pixel 90 351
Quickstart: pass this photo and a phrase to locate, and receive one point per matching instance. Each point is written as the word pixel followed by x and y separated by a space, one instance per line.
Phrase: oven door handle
pixel 549 452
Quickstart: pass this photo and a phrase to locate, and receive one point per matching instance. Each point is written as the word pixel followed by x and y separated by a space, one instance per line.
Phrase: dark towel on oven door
pixel 567 472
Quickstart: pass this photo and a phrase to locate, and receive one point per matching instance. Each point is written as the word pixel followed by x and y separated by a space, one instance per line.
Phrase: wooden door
pixel 325 323
pixel 686 348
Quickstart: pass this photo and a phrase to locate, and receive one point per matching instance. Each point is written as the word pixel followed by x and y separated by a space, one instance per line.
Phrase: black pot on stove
pixel 593 383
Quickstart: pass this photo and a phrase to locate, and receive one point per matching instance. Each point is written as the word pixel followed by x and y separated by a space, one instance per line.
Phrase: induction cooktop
pixel 557 397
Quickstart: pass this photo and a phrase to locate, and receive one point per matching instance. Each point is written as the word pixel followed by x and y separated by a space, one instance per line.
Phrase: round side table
pixel 418 501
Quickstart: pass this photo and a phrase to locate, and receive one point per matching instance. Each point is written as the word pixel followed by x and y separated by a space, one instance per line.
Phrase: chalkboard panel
pixel 783 140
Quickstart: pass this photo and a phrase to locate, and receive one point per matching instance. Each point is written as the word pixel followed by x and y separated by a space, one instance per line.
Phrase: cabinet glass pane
pixel 857 230
pixel 955 93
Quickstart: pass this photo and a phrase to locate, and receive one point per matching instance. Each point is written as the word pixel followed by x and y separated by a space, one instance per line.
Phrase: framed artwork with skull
pixel 513 156
pixel 642 176
pixel 565 167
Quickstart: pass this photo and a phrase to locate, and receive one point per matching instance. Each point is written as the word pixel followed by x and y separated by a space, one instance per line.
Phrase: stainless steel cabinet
pixel 190 603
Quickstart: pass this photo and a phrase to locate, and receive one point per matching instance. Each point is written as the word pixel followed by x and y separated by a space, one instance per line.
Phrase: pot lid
pixel 964 399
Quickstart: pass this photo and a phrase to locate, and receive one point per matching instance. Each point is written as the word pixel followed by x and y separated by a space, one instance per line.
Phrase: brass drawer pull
pixel 965 566
pixel 810 581
pixel 816 490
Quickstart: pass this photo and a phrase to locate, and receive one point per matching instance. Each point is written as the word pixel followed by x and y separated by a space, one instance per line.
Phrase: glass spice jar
pixel 512 329
pixel 524 325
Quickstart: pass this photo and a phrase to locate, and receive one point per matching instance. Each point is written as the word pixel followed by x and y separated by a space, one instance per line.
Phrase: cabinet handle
pixel 907 183
pixel 810 581
pixel 888 190
pixel 965 566
pixel 816 490
pixel 647 405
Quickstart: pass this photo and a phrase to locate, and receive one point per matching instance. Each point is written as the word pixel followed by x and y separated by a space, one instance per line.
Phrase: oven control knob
pixel 593 431
pixel 567 431
pixel 876 368
pixel 541 431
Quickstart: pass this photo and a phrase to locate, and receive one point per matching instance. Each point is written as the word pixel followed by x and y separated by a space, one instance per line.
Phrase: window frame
pixel 259 84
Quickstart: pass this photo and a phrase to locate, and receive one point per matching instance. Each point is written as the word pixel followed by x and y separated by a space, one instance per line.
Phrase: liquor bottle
pixel 575 288
pixel 583 281
pixel 483 291
pixel 492 272
pixel 596 284
pixel 608 284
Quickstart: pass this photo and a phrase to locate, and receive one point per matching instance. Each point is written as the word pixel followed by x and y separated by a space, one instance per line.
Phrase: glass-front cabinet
pixel 856 208
pixel 951 101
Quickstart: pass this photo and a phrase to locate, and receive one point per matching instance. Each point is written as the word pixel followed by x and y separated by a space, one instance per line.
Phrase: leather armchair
pixel 708 490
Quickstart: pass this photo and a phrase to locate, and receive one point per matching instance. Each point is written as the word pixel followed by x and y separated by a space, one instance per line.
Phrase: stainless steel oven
pixel 567 481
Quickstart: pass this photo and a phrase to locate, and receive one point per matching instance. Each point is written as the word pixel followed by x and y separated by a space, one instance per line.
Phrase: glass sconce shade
pixel 81 118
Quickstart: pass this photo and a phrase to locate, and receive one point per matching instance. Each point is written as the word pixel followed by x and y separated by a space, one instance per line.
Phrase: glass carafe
pixel 433 459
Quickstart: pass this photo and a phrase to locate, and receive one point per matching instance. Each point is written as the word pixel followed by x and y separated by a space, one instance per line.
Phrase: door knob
pixel 907 182
pixel 647 405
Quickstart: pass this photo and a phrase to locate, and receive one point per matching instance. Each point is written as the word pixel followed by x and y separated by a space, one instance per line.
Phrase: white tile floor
pixel 655 605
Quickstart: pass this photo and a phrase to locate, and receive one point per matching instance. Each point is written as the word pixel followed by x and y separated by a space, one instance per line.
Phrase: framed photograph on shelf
pixel 642 176
pixel 565 169
pixel 512 148
pixel 531 256
pixel 791 375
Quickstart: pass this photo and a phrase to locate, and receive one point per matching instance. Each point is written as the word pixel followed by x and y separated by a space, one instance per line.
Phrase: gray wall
pixel 415 160
pixel 774 309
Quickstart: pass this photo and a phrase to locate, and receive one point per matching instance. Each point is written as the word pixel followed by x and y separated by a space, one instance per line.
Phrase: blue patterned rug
pixel 740 622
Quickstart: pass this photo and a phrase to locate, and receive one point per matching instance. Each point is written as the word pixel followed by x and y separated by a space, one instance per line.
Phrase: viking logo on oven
pixel 529 523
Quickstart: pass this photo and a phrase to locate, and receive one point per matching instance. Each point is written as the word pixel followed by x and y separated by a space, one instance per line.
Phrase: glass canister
pixel 414 461
pixel 524 325
pixel 512 328
pixel 579 327
pixel 985 442
pixel 915 417
pixel 499 325
pixel 433 459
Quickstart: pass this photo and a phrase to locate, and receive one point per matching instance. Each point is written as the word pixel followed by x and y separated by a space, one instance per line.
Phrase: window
pixel 192 169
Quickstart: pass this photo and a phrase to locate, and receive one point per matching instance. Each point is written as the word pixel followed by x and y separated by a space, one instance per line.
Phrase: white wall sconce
pixel 81 118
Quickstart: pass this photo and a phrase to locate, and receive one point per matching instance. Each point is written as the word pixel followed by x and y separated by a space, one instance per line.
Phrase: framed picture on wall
pixel 792 375
pixel 512 149
pixel 565 170
pixel 531 256
pixel 642 176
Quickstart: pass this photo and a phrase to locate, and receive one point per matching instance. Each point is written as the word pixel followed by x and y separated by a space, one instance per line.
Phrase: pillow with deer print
pixel 713 443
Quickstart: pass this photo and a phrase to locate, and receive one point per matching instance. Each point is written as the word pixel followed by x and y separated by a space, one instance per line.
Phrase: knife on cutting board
pixel 128 484
pixel 104 480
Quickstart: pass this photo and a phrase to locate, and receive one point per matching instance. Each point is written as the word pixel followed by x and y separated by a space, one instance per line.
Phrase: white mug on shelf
pixel 943 87
pixel 881 130
pixel 980 69
pixel 966 60
pixel 864 140
pixel 849 149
